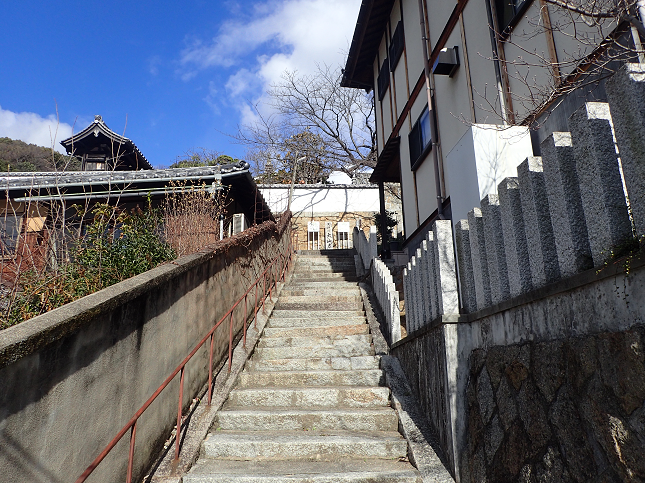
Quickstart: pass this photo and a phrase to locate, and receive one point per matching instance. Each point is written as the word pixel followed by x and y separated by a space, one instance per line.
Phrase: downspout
pixel 433 127
pixel 498 72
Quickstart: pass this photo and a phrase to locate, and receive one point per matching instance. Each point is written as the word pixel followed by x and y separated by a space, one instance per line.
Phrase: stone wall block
pixel 517 254
pixel 448 293
pixel 565 204
pixel 431 262
pixel 422 281
pixel 414 299
pixel 626 96
pixel 495 250
pixel 465 264
pixel 543 256
pixel 407 295
pixel 601 188
pixel 478 253
pixel 425 282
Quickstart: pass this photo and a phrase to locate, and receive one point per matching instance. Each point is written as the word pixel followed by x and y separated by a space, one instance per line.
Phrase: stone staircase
pixel 310 405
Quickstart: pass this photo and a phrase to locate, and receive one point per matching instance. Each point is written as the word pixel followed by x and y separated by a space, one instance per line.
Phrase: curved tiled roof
pixel 97 127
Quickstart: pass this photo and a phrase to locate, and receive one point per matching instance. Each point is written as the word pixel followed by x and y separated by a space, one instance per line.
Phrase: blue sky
pixel 184 73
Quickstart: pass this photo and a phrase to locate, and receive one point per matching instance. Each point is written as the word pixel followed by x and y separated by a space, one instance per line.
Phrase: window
pixel 383 81
pixel 396 46
pixel 507 10
pixel 10 226
pixel 420 139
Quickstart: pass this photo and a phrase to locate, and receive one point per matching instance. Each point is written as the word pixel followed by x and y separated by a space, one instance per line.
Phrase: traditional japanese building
pixel 101 149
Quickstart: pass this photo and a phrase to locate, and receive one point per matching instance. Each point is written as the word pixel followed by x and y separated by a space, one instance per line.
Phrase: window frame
pixel 383 85
pixel 8 250
pixel 518 6
pixel 419 153
pixel 397 45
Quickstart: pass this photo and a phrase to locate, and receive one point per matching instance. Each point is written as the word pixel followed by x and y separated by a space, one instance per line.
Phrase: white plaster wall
pixel 413 45
pixel 451 100
pixel 438 12
pixel 407 182
pixel 482 158
pixel 528 76
pixel 482 67
pixel 317 200
pixel 380 143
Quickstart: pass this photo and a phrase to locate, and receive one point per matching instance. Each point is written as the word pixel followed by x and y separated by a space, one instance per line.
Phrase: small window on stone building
pixel 507 11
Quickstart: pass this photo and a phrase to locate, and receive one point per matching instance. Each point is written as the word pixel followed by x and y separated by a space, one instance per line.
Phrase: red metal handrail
pixel 286 262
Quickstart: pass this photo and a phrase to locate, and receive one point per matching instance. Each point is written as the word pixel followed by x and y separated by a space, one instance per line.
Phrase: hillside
pixel 19 156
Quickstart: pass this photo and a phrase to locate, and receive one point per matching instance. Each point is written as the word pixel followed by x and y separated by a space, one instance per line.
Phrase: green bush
pixel 116 245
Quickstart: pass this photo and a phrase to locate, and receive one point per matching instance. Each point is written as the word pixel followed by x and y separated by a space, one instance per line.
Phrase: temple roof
pixel 98 138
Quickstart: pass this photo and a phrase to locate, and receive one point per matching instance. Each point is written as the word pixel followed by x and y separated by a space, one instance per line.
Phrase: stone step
pixel 318 341
pixel 310 397
pixel 314 321
pixel 336 285
pixel 372 377
pixel 243 419
pixel 209 470
pixel 329 276
pixel 295 291
pixel 326 278
pixel 304 445
pixel 319 306
pixel 322 331
pixel 320 364
pixel 364 349
pixel 325 298
pixel 304 314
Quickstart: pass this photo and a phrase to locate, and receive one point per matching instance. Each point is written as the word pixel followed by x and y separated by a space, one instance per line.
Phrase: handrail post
pixel 210 371
pixel 255 313
pixel 245 317
pixel 133 433
pixel 181 400
pixel 230 342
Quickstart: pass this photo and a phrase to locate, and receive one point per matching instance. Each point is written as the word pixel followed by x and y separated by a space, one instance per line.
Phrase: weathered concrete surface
pixel 72 378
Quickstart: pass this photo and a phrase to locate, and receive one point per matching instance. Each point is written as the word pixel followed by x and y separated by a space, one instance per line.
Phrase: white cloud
pixel 34 129
pixel 278 35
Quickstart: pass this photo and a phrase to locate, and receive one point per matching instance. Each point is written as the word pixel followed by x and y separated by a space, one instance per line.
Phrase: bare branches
pixel 340 122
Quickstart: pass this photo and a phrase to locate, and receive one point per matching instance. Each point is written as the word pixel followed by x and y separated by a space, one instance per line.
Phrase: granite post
pixel 448 293
pixel 495 250
pixel 517 254
pixel 432 275
pixel 465 265
pixel 478 253
pixel 626 96
pixel 565 204
pixel 543 256
pixel 601 188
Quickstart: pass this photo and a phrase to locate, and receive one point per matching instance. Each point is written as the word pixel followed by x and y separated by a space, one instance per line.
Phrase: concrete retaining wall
pixel 443 362
pixel 72 378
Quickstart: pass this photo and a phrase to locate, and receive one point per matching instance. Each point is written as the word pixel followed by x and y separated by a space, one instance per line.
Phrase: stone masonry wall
pixel 568 410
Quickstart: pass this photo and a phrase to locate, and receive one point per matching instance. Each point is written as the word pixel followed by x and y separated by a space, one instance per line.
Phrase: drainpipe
pixel 433 127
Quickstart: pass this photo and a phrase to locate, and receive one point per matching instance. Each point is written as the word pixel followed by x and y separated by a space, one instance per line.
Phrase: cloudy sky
pixel 171 76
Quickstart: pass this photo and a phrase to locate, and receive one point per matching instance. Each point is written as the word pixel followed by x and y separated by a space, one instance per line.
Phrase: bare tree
pixel 601 35
pixel 338 121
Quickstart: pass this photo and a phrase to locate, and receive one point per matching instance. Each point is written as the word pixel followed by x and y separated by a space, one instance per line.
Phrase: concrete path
pixel 310 405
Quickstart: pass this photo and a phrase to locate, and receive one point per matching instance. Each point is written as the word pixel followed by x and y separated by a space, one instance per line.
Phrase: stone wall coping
pixel 31 335
pixel 612 269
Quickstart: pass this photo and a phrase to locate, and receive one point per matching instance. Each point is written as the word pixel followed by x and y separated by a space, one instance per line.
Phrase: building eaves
pixel 67 179
pixel 370 26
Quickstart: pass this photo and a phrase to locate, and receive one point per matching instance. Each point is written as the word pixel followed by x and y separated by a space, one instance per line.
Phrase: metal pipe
pixel 433 127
